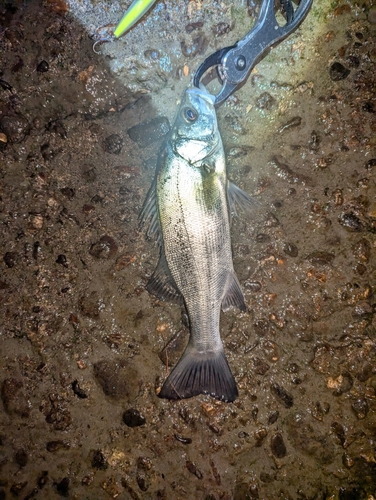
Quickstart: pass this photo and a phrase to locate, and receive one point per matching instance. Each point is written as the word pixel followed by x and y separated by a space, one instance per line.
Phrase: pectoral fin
pixel 162 284
pixel 239 198
pixel 234 296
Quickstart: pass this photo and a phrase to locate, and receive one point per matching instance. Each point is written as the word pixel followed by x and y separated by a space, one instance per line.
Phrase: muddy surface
pixel 84 347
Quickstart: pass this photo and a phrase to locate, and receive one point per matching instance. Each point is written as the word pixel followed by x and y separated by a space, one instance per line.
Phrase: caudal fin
pixel 201 373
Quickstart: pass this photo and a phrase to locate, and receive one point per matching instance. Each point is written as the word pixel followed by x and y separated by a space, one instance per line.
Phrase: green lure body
pixel 132 15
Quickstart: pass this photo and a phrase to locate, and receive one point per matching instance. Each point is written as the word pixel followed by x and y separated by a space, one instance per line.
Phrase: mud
pixel 85 348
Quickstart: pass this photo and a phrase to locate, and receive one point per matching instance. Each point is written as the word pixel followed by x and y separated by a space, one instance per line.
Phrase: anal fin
pixel 234 296
pixel 162 284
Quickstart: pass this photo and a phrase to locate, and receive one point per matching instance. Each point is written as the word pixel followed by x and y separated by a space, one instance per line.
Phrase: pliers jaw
pixel 235 63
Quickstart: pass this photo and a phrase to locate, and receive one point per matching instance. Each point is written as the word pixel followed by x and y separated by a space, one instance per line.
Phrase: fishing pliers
pixel 236 62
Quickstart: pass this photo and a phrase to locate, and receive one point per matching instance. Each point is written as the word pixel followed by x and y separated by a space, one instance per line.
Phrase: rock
pixel 146 133
pixel 292 123
pixel 265 101
pixel 282 395
pixel 197 46
pixel 13 397
pixel 260 436
pixel 133 418
pixel 43 66
pixel 290 249
pixel 105 248
pixel 10 259
pixel 239 151
pixel 338 71
pixel 53 446
pixel 277 445
pixel 90 305
pixel 15 127
pixel 118 378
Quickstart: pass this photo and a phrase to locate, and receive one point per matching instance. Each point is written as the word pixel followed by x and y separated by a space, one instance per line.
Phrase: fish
pixel 188 211
pixel 135 11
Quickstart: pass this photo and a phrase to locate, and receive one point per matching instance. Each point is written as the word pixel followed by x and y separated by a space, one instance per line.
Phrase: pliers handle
pixel 236 62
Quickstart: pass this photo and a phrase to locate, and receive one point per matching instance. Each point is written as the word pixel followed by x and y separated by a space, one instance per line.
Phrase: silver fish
pixel 188 210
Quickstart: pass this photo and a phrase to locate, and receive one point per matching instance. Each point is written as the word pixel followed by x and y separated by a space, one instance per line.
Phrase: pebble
pixel 282 395
pixel 260 436
pixel 239 151
pixel 193 26
pixel 58 415
pixel 265 101
pixel 80 393
pixel 152 54
pixel 172 351
pixel 15 127
pixel 10 259
pixel 303 437
pixel 118 378
pixel 63 487
pixel 360 407
pixel 338 71
pixel 98 460
pixel 68 192
pixel 291 249
pixel 57 127
pixel 43 66
pixel 351 222
pixel 277 445
pixel 221 29
pixel 89 305
pixel 292 123
pixel 372 15
pixel 105 248
pixel 53 446
pixel 193 469
pixel 320 258
pixel 182 439
pixel 21 457
pixel 113 144
pixel 362 250
pixel 61 259
pixel 259 366
pixel 133 418
pixel 273 417
pixel 196 47
pixel 88 172
pixel 3 141
pixel 13 397
pixel 146 133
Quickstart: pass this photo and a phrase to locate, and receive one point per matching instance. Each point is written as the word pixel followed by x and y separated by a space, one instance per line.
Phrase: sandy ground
pixel 83 344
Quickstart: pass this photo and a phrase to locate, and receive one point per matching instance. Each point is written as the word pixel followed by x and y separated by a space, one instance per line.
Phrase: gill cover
pixel 195 132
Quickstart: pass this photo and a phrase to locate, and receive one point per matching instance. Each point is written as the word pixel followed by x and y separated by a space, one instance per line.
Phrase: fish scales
pixel 189 203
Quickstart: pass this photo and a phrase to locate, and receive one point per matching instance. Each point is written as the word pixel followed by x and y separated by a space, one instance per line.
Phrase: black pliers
pixel 236 62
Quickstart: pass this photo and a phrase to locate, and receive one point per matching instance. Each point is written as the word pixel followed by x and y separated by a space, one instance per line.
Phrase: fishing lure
pixel 136 10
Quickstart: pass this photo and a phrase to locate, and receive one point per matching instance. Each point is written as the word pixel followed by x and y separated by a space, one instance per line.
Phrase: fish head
pixel 195 132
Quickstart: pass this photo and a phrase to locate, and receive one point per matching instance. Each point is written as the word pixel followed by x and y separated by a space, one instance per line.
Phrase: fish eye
pixel 190 115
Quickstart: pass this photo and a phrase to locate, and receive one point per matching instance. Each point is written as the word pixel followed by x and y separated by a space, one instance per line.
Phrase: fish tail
pixel 201 373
